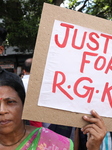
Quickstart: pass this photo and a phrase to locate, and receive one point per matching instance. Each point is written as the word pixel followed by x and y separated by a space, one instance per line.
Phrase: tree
pixel 99 8
pixel 21 19
pixel 57 2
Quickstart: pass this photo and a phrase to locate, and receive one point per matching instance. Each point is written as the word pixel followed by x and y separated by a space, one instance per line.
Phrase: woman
pixel 15 135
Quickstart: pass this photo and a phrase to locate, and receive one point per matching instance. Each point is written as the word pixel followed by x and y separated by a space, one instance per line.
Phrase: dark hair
pixel 3 34
pixel 27 67
pixel 14 81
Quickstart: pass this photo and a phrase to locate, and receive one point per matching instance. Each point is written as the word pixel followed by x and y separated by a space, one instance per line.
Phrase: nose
pixel 3 109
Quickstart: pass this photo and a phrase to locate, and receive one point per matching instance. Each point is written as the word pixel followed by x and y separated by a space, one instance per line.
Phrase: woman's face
pixel 10 110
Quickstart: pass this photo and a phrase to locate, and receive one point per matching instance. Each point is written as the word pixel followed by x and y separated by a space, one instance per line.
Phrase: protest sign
pixel 71 70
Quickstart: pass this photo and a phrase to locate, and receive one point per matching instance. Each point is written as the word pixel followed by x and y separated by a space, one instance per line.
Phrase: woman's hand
pixel 96 131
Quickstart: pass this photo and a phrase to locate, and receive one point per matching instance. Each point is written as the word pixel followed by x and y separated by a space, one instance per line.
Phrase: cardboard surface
pixel 50 115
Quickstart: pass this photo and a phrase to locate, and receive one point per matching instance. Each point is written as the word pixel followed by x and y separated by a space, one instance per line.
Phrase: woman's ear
pixel 1 49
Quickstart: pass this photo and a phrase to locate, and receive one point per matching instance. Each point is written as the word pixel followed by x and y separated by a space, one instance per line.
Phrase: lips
pixel 5 122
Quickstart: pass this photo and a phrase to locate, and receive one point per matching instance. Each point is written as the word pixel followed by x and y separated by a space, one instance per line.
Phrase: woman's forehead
pixel 6 93
pixel 7 90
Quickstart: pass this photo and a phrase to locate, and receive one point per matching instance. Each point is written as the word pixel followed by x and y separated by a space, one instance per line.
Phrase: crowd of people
pixel 16 134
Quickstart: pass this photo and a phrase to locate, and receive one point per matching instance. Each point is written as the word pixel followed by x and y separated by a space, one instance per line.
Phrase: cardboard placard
pixel 95 30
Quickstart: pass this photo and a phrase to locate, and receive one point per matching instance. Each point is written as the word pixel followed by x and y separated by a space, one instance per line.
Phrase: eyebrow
pixel 8 98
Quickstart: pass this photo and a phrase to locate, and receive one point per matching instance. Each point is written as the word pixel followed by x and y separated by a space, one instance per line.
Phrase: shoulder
pixel 54 138
pixel 29 129
pixel 51 133
pixel 26 77
pixel 25 80
pixel 49 139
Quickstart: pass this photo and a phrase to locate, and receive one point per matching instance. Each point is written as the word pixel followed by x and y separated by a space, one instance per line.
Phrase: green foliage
pixel 73 4
pixel 100 8
pixel 21 19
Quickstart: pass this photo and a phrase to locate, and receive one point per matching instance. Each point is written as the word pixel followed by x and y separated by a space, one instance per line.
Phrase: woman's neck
pixel 13 138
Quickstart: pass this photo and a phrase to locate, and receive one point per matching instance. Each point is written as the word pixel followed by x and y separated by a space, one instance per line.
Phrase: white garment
pixel 25 80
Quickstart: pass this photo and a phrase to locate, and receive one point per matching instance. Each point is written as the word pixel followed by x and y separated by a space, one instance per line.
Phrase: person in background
pixel 26 72
pixel 3 34
pixel 25 79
